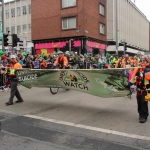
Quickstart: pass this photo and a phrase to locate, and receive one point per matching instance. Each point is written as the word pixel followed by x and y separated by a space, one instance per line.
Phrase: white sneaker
pixel 6 89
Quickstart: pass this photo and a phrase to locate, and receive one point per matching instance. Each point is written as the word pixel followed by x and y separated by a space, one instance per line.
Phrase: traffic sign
pixel 22 43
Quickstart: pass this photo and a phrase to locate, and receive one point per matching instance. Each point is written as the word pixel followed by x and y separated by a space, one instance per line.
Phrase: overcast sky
pixel 144 6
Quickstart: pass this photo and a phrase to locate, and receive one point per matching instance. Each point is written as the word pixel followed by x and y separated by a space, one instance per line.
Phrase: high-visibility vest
pixel 5 72
pixel 12 71
pixel 147 76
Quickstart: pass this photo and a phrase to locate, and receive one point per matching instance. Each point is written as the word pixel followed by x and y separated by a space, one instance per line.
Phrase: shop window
pixel 69 23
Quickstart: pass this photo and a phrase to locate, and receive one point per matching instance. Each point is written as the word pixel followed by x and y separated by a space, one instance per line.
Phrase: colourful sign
pixel 95 45
pixel 44 51
pixel 55 45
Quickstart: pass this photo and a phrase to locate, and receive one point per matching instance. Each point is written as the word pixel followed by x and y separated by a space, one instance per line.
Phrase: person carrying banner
pixel 14 82
pixel 141 77
pixel 61 61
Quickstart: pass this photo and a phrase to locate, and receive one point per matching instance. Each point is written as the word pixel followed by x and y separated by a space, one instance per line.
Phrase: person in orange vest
pixel 127 60
pixel 143 88
pixel 43 64
pixel 120 63
pixel 14 82
pixel 61 61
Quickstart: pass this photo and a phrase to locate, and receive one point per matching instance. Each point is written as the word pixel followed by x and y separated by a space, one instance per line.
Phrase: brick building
pixel 55 22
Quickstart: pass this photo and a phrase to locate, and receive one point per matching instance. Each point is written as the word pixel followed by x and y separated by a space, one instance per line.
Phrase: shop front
pixel 51 47
pixel 94 48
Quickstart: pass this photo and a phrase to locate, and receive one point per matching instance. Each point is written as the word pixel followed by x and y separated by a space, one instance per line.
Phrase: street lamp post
pixel 117 44
pixel 2 1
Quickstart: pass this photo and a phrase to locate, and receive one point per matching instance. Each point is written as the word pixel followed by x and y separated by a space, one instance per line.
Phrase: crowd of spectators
pixel 75 60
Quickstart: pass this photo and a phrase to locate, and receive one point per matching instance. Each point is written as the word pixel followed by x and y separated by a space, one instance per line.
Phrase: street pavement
pixel 71 120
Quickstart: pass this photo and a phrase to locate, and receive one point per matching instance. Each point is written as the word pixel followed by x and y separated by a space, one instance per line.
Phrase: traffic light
pixel 14 40
pixel 72 44
pixel 67 45
pixel 5 38
pixel 125 46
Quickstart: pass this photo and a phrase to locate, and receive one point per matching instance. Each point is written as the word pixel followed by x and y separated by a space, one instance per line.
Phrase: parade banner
pixel 103 83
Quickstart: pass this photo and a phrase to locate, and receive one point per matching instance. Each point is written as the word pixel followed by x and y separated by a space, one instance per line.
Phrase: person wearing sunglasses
pixel 141 77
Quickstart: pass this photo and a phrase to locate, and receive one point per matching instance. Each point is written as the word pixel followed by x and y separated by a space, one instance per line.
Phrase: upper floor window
pixel 24 28
pixel 7 13
pixel 7 29
pixel 68 23
pixel 18 11
pixel 68 3
pixel 13 30
pixel 29 27
pixel 18 29
pixel 102 28
pixel 24 11
pixel 29 9
pixel 0 15
pixel 13 12
pixel 102 9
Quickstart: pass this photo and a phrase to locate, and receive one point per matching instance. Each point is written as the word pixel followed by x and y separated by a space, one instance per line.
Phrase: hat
pixel 3 57
pixel 59 52
pixel 12 56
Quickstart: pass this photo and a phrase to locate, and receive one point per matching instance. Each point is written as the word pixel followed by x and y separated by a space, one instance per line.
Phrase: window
pixel 102 9
pixel 7 14
pixel 24 12
pixel 13 12
pixel 18 11
pixel 0 15
pixel 13 30
pixel 68 23
pixel 18 29
pixel 24 28
pixel 29 9
pixel 7 29
pixel 102 28
pixel 68 3
pixel 29 27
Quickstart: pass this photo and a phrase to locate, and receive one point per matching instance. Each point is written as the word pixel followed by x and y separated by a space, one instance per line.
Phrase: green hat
pixel 107 54
pixel 24 53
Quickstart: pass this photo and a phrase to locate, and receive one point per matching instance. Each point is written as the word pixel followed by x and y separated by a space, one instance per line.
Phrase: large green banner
pixel 102 83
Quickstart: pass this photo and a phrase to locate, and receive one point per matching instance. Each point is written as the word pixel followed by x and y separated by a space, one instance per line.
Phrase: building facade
pixel 133 26
pixel 17 20
pixel 55 22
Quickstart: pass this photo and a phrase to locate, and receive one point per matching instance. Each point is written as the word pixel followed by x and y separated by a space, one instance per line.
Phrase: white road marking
pixel 134 136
